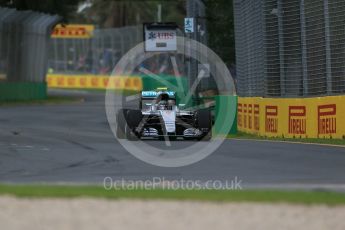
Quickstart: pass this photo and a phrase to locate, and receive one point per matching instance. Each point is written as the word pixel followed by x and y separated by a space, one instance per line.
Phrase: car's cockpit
pixel 164 102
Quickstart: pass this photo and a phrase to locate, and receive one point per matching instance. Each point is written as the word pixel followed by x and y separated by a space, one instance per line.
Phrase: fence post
pixel 281 48
pixel 304 49
pixel 328 49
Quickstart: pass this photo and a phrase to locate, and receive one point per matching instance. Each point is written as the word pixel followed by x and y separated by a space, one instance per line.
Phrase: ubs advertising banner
pixel 160 37
pixel 160 40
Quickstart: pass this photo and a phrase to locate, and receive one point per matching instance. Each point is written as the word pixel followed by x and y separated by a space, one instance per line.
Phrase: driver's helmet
pixel 163 102
pixel 163 99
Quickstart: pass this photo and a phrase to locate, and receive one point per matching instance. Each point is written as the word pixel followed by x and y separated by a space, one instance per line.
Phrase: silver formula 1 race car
pixel 160 117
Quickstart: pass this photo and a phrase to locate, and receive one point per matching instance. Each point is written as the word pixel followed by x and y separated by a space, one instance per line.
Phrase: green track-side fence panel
pixel 21 91
pixel 225 112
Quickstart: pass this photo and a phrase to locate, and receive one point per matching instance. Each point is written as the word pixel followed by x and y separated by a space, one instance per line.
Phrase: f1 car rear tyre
pixel 133 118
pixel 132 104
pixel 206 137
pixel 204 122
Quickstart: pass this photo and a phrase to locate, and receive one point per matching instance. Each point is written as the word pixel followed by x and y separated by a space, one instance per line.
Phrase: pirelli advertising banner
pixel 320 117
pixel 73 31
pixel 94 82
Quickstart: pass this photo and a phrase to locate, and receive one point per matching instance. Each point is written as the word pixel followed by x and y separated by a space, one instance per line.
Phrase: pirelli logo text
pixel 271 119
pixel 297 120
pixel 239 115
pixel 256 117
pixel 327 121
pixel 245 109
pixel 250 116
pixel 77 31
pixel 95 82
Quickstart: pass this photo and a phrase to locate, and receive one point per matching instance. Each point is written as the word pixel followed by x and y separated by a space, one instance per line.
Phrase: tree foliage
pixel 119 13
pixel 65 8
pixel 221 29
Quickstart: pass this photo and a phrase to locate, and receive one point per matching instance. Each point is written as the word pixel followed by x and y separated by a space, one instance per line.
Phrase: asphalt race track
pixel 73 144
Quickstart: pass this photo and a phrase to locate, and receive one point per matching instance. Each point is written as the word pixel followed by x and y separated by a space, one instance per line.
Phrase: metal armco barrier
pixel 320 117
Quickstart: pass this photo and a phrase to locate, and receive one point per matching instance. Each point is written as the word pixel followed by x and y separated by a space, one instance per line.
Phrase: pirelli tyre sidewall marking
pixel 195 151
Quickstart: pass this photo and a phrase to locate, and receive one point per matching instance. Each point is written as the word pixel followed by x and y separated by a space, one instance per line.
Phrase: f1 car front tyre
pixel 133 119
pixel 120 124
pixel 130 135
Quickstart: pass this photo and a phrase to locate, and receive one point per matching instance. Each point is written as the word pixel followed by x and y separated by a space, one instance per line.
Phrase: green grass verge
pixel 50 100
pixel 241 135
pixel 293 197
